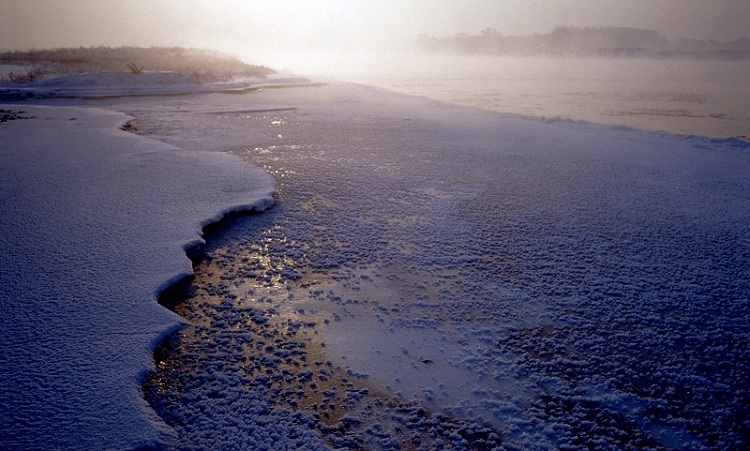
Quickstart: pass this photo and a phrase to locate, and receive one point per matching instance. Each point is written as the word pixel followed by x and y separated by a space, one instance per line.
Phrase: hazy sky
pixel 274 32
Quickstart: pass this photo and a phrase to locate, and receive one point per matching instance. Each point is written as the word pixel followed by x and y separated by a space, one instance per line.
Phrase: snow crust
pixel 95 222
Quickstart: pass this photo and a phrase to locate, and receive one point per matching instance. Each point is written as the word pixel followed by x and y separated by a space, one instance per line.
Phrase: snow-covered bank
pixel 94 224
pixel 115 84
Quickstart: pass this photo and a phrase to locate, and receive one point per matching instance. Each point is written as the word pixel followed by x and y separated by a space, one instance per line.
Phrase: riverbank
pixel 95 223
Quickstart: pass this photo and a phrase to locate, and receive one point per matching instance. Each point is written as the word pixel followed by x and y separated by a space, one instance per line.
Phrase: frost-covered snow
pixel 95 222
pixel 433 276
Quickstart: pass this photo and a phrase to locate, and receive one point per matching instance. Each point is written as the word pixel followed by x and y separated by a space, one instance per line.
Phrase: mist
pixel 341 38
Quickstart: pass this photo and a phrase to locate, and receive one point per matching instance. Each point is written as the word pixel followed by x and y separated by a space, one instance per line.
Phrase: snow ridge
pixel 96 223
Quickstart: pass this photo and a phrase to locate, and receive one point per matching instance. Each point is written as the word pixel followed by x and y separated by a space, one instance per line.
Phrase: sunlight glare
pixel 302 22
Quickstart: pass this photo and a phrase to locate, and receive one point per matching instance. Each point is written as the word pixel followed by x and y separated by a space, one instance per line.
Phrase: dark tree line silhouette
pixel 593 42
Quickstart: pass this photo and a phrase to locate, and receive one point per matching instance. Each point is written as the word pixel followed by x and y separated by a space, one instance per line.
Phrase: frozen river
pixel 441 277
pixel 679 96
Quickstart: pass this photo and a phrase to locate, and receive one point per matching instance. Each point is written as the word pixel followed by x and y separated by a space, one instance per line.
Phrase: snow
pixel 95 222
pixel 98 85
pixel 432 276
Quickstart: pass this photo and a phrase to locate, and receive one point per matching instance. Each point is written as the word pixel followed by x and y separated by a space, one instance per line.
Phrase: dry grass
pixel 204 64
pixel 29 74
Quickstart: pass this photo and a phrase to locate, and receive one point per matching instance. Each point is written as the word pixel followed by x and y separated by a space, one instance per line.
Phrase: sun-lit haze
pixel 335 37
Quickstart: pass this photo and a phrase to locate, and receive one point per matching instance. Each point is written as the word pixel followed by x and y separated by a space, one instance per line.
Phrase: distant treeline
pixel 206 63
pixel 594 42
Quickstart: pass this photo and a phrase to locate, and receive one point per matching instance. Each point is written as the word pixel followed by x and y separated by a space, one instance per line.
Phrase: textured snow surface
pixel 95 222
pixel 432 271
pixel 433 277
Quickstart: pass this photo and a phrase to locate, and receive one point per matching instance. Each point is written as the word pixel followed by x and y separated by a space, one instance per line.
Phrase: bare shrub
pixel 135 69
pixel 30 74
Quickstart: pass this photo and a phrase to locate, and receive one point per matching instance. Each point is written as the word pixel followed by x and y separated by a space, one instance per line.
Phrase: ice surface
pixel 436 270
pixel 94 224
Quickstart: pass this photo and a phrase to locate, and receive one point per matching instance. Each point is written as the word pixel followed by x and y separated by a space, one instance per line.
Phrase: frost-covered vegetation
pixel 205 64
